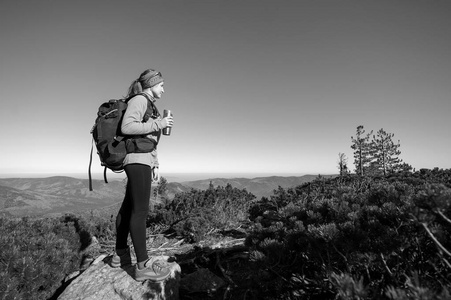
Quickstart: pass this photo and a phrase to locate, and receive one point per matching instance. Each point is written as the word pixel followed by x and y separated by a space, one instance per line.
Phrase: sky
pixel 255 86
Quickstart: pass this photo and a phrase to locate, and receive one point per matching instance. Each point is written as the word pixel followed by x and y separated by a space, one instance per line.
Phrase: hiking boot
pixel 126 259
pixel 154 269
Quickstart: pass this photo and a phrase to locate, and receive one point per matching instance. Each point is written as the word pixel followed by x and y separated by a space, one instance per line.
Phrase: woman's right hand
pixel 167 121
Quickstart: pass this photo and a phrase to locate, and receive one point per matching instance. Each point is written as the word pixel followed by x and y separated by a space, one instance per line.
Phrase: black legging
pixel 133 213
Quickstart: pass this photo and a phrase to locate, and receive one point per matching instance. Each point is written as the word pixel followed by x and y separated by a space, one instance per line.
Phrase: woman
pixel 143 123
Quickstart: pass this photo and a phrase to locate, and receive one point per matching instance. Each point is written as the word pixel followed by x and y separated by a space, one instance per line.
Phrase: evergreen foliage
pixel 161 190
pixel 357 237
pixel 378 156
pixel 342 164
pixel 385 152
pixel 192 215
pixel 37 254
pixel 349 237
pixel 362 152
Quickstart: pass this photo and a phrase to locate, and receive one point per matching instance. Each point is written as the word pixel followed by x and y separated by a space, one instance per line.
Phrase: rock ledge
pixel 101 281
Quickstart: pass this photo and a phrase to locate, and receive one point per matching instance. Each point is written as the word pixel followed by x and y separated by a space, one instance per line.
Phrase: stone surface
pixel 101 281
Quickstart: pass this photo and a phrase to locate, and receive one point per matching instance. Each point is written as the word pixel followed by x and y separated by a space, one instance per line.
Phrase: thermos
pixel 167 130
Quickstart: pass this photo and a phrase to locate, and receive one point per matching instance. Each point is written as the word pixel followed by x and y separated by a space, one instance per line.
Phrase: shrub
pixel 194 214
pixel 36 255
pixel 372 231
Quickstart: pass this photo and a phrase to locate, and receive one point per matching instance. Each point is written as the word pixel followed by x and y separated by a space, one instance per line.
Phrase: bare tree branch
pixel 385 264
pixel 444 217
pixel 435 240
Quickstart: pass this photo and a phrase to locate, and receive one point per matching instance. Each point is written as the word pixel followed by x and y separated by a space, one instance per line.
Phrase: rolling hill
pixel 60 194
pixel 55 195
pixel 259 186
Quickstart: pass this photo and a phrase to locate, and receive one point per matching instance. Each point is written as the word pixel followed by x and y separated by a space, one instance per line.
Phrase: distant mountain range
pixel 259 186
pixel 59 194
pixel 56 195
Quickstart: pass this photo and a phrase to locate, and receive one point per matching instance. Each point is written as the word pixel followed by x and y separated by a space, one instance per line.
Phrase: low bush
pixel 358 238
pixel 192 215
pixel 36 255
pixel 347 237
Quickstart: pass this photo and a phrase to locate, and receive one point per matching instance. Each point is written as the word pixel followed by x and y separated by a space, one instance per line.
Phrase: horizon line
pixel 186 176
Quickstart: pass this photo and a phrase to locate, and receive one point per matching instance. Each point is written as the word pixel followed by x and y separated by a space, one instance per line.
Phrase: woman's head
pixel 149 79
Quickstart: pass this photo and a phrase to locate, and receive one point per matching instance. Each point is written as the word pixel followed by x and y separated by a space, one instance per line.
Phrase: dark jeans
pixel 133 212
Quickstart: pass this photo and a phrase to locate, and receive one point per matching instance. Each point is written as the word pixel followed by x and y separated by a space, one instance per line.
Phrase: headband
pixel 149 79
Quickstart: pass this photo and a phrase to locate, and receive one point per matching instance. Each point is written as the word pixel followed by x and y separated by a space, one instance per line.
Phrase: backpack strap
pixel 150 102
pixel 149 99
pixel 104 175
pixel 90 163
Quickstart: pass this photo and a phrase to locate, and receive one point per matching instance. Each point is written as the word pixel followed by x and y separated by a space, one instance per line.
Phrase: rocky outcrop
pixel 101 281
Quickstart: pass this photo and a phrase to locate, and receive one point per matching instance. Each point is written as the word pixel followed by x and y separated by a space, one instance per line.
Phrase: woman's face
pixel 157 90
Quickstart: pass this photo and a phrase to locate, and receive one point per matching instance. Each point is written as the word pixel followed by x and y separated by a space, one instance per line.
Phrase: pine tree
pixel 361 146
pixel 385 152
pixel 342 164
pixel 161 189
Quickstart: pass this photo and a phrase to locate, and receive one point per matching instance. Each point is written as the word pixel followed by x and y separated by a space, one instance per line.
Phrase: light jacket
pixel 132 124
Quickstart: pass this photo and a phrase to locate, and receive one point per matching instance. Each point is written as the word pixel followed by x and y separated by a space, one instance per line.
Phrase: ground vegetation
pixel 347 237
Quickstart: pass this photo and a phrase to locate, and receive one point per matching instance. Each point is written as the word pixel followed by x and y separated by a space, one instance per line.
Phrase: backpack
pixel 112 146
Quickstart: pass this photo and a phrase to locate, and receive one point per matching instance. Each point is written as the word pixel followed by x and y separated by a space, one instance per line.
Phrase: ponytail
pixel 135 88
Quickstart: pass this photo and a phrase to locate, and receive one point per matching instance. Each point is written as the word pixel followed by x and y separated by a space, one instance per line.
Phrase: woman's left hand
pixel 155 174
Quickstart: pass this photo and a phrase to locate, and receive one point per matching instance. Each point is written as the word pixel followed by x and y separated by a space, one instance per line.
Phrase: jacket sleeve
pixel 132 123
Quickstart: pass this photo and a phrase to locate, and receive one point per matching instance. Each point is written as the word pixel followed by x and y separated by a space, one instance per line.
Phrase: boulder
pixel 101 281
